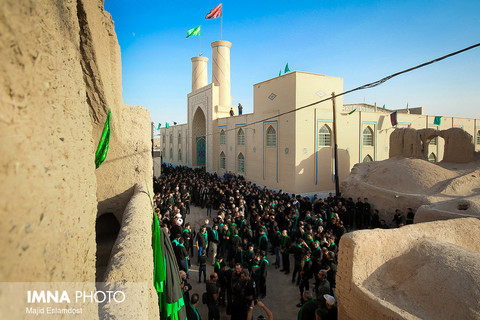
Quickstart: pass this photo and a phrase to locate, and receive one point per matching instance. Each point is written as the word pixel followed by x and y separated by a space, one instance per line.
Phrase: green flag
pixel 287 69
pixel 280 73
pixel 104 142
pixel 159 125
pixel 167 125
pixel 352 111
pixel 194 32
pixel 438 120
pixel 383 106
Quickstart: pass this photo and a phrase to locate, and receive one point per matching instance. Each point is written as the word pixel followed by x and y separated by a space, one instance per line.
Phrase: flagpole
pixel 221 25
pixel 200 45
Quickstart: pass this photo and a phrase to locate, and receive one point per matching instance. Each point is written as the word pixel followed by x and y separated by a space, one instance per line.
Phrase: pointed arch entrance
pixel 199 143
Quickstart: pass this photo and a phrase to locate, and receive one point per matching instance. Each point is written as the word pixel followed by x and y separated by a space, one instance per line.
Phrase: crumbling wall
pixel 132 252
pixel 412 143
pixel 129 159
pixel 60 73
pixel 47 198
pixel 413 272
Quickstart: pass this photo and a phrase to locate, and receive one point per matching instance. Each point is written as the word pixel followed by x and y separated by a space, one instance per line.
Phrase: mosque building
pixel 278 147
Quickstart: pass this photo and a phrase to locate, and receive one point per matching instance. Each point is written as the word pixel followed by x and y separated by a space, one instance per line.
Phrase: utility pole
pixel 337 186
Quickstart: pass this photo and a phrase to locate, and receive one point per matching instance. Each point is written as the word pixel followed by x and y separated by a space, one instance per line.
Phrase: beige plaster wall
pixel 414 272
pixel 314 171
pixel 302 165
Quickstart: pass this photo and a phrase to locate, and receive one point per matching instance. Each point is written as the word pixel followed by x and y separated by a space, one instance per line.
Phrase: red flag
pixel 215 12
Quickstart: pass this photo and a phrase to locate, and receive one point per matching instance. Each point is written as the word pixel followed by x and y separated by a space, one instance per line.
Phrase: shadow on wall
pixel 116 204
pixel 107 228
pixel 323 161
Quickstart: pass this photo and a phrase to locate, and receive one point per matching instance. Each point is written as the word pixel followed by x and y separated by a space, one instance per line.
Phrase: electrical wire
pixel 365 86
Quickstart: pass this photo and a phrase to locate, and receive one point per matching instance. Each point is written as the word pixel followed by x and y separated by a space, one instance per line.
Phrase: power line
pixel 365 86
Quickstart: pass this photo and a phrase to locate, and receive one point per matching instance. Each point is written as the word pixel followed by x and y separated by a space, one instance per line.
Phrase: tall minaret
pixel 199 72
pixel 221 71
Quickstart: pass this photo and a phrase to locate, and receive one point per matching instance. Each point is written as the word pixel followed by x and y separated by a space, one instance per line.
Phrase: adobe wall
pixel 60 73
pixel 412 143
pixel 129 158
pixel 130 254
pixel 413 272
pixel 48 194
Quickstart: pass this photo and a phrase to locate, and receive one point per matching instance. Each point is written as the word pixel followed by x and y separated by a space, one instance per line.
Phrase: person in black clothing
pixel 305 276
pixel 262 240
pixel 181 254
pixel 308 307
pixel 214 240
pixel 243 292
pixel 176 229
pixel 212 297
pixel 359 214
pixel 285 244
pixel 398 218
pixel 202 241
pixel 367 213
pixel 262 275
pixel 235 242
pixel 191 307
pixel 299 249
pixel 238 256
pixel 331 268
pixel 277 238
pixel 202 266
pixel 410 216
pixel 375 219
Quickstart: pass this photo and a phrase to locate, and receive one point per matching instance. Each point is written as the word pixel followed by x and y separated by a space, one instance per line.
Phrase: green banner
pixel 104 143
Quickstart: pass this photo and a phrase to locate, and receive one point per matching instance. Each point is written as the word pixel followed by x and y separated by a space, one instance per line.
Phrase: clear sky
pixel 360 41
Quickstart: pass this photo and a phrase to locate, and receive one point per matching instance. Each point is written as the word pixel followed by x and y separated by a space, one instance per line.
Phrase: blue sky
pixel 360 41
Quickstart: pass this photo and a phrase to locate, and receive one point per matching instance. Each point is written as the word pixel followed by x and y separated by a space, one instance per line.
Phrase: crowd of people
pixel 250 221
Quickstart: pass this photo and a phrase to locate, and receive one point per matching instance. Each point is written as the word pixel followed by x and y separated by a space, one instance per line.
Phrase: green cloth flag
pixel 287 69
pixel 352 111
pixel 280 73
pixel 167 125
pixel 194 31
pixel 166 277
pixel 438 120
pixel 104 143
pixel 159 125
pixel 383 106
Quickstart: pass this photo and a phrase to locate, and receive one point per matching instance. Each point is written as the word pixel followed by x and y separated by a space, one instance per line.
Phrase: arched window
pixel 222 137
pixel 179 138
pixel 324 136
pixel 432 157
pixel 163 139
pixel 241 163
pixel 478 137
pixel 271 137
pixel 164 153
pixel 241 137
pixel 171 154
pixel 433 141
pixel 171 138
pixel 222 160
pixel 368 136
pixel 367 158
pixel 179 154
